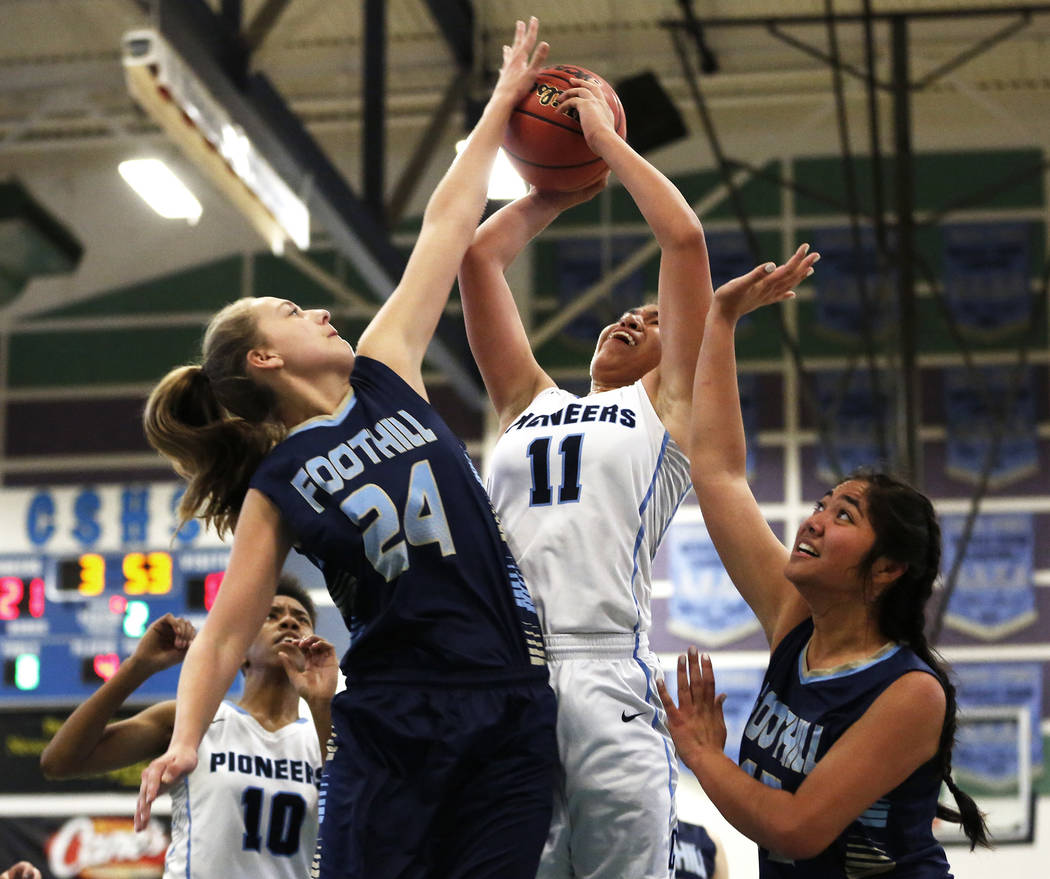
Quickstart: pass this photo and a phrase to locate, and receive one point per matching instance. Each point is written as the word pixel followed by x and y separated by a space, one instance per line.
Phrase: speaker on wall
pixel 652 118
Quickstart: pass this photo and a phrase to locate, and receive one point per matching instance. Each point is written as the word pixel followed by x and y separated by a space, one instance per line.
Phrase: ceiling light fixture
pixel 161 189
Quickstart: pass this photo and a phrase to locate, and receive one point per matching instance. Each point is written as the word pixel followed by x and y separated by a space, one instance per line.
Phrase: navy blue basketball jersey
pixel 384 499
pixel 797 717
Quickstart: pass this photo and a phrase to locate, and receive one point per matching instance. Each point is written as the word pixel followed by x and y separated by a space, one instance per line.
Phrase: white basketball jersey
pixel 249 809
pixel 585 487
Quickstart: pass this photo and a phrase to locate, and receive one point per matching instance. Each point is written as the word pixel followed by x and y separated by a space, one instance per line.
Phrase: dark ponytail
pixel 213 422
pixel 906 530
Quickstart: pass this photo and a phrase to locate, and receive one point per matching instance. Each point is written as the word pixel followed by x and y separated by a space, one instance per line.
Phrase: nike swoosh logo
pixel 625 717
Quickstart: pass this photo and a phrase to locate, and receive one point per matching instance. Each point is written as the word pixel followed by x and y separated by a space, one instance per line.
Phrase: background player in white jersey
pixel 249 810
pixel 585 488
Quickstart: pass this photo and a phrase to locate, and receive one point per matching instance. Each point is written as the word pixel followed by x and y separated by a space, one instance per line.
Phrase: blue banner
pixel 986 753
pixel 973 414
pixel 705 607
pixel 854 408
pixel 851 294
pixel 729 256
pixel 986 277
pixel 994 591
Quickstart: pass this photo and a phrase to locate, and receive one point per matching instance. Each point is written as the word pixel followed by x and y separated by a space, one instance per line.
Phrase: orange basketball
pixel 547 148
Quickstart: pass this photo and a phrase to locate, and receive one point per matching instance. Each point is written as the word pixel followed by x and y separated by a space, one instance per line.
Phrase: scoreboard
pixel 83 572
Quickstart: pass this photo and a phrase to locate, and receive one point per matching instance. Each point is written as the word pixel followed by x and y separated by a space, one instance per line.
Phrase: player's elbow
pixel 483 254
pixel 685 236
pixel 53 767
pixel 796 839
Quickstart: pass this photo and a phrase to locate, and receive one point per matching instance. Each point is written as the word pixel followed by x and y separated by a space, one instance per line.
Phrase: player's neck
pixel 302 400
pixel 270 699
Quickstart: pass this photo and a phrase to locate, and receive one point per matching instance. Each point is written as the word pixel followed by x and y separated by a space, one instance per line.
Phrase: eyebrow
pixel 848 498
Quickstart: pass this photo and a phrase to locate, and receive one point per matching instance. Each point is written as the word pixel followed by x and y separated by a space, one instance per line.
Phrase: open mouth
pixel 623 336
pixel 806 549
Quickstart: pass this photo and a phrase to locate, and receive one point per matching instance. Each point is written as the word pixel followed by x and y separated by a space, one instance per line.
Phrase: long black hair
pixel 907 531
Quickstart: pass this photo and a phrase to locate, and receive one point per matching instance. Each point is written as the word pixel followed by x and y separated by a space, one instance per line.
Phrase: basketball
pixel 547 148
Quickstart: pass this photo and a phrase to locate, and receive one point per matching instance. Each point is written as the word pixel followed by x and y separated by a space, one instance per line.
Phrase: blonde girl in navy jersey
pixel 445 733
pixel 850 739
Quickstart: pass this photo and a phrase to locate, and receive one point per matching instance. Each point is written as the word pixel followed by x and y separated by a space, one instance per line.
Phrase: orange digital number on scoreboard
pixel 147 573
pixel 92 574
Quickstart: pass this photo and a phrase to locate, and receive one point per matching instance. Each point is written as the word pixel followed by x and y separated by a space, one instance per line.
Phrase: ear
pixel 261 358
pixel 885 571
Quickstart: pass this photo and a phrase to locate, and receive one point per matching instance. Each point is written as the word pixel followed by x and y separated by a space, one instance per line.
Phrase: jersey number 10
pixel 287 811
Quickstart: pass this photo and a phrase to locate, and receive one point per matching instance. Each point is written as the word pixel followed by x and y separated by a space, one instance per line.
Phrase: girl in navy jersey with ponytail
pixel 850 739
pixel 445 733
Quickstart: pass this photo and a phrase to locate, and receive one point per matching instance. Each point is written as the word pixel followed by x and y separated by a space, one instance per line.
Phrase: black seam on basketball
pixel 518 158
pixel 564 79
pixel 541 118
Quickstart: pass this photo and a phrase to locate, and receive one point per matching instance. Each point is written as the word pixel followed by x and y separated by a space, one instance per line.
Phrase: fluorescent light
pixel 158 186
pixel 505 184
pixel 169 90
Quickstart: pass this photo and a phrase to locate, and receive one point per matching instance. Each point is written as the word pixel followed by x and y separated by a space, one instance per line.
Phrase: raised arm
pixel 893 738
pixel 684 291
pixel 88 744
pixel 752 555
pixel 260 546
pixel 496 334
pixel 402 329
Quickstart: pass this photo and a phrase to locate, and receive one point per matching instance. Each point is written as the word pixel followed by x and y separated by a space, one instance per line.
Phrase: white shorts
pixel 614 808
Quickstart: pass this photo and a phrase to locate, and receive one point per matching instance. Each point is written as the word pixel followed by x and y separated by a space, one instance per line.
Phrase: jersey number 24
pixel 424 520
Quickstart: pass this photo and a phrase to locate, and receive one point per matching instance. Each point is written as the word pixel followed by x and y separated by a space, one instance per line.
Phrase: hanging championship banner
pixel 86 847
pixel 581 262
pixel 973 415
pixel 986 277
pixel 730 256
pixel 994 592
pixel 851 294
pixel 705 607
pixel 848 400
pixel 987 754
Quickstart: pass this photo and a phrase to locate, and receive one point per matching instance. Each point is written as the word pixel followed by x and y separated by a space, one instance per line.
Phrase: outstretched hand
pixel 312 667
pixel 522 61
pixel 696 723
pixel 765 284
pixel 159 776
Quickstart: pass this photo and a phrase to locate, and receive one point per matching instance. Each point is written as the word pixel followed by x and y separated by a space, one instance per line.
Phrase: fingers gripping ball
pixel 547 148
